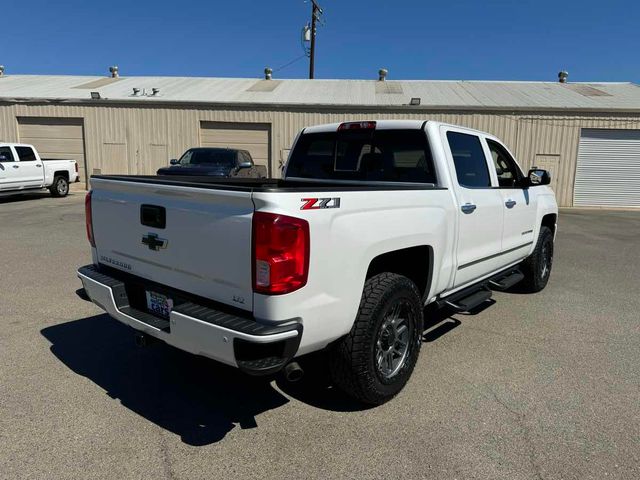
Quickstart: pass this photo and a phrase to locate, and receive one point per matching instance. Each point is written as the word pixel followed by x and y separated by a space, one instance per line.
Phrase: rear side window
pixel 469 160
pixel 26 154
pixel 363 155
pixel 5 154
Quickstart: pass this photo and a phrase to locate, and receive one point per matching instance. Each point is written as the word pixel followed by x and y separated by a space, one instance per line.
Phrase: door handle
pixel 16 166
pixel 468 208
pixel 510 203
pixel 38 165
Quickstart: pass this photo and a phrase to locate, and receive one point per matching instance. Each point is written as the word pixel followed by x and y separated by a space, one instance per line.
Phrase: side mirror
pixel 537 176
pixel 174 161
pixel 245 165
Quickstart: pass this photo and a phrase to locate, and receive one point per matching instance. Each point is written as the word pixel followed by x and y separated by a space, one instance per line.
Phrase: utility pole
pixel 316 11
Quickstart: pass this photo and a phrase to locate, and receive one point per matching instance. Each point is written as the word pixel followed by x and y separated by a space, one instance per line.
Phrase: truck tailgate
pixel 205 245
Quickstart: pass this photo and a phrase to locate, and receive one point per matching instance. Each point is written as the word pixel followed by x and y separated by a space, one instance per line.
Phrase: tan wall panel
pixel 54 145
pixel 137 130
pixel 113 160
pixel 233 136
pixel 550 163
pixel 157 158
pixel 48 132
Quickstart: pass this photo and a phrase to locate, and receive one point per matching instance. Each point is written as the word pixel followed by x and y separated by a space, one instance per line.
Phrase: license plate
pixel 159 304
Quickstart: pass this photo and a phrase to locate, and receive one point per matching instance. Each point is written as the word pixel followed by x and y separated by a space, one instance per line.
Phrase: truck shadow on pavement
pixel 25 197
pixel 194 397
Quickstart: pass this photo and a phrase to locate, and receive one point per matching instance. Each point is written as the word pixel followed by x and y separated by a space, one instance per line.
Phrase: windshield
pixel 209 156
pixel 363 155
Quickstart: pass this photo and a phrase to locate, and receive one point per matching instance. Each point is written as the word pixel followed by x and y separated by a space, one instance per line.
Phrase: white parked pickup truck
pixel 371 222
pixel 22 170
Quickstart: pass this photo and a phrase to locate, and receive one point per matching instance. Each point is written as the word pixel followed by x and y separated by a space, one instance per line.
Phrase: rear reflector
pixel 280 253
pixel 357 126
pixel 89 219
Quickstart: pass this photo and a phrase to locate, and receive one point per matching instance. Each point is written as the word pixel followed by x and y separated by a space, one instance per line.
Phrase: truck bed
pixel 265 184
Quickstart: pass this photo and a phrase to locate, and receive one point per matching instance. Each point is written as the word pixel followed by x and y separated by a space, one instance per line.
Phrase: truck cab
pixel 22 169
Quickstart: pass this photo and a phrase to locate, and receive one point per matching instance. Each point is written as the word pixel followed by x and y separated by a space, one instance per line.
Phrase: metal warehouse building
pixel 586 134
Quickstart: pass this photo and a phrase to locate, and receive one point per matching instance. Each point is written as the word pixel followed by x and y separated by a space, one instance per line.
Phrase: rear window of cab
pixel 363 155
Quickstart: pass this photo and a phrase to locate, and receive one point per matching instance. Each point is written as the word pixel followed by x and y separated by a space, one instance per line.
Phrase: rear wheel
pixel 537 267
pixel 60 186
pixel 374 362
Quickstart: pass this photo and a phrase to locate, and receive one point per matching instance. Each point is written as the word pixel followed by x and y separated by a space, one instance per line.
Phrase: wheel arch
pixel 415 263
pixel 550 221
pixel 61 173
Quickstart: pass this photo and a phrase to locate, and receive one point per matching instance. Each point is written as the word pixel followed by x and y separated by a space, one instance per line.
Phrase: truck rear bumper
pixel 230 338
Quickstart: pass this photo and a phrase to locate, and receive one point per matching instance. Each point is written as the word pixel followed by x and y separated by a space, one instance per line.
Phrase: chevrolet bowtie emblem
pixel 154 242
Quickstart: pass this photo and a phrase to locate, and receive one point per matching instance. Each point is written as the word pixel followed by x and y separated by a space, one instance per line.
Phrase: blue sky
pixel 414 39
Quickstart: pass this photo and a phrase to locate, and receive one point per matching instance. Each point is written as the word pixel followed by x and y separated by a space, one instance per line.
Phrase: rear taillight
pixel 280 253
pixel 76 165
pixel 88 219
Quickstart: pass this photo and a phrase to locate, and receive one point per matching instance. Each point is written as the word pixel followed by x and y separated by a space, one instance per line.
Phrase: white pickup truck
pixel 22 170
pixel 371 222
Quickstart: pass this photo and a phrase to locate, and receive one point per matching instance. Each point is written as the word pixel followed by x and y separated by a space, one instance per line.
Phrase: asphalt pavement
pixel 543 386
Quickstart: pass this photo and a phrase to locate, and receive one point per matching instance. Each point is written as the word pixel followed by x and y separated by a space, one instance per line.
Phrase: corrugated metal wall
pixel 547 135
pixel 128 139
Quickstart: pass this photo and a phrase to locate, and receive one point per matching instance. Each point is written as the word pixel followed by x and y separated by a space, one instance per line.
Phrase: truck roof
pixel 385 125
pixel 10 144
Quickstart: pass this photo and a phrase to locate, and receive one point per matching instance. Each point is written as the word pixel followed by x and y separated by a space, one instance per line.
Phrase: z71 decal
pixel 316 203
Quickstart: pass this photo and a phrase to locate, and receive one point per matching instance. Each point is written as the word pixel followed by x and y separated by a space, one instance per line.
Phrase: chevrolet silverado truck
pixel 22 170
pixel 216 162
pixel 371 222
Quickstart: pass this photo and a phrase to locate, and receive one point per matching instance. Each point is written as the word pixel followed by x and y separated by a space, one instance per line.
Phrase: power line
pixel 290 63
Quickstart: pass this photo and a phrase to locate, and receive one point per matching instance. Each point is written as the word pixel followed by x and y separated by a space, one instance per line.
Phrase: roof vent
pixel 562 76
pixel 382 74
pixel 136 91
pixel 268 73
pixel 1 70
pixel 114 71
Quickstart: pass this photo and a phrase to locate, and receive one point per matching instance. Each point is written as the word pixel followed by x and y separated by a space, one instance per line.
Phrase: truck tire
pixel 59 187
pixel 375 360
pixel 537 266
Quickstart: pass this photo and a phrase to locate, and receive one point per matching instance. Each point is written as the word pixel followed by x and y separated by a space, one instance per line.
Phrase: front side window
pixel 246 157
pixel 363 155
pixel 5 154
pixel 26 154
pixel 508 173
pixel 469 160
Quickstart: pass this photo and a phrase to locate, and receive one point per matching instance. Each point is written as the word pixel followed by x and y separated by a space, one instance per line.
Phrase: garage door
pixel 608 171
pixel 253 137
pixel 55 138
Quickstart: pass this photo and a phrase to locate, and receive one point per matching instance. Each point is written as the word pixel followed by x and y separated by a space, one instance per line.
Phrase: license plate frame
pixel 159 304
